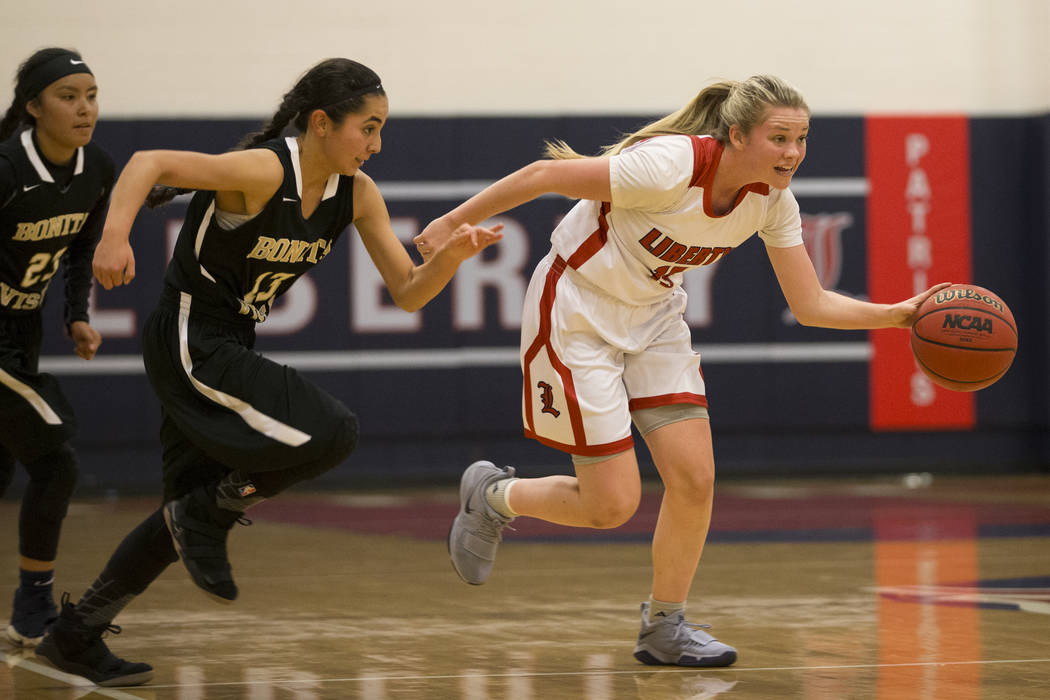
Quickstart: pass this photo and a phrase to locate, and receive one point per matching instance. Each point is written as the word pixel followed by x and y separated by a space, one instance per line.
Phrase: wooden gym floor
pixel 884 588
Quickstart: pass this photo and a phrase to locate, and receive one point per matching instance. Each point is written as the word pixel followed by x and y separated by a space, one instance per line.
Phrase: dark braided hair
pixel 338 86
pixel 16 114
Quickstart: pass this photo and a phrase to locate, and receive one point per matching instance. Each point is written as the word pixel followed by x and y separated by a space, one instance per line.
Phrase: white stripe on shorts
pixel 199 241
pixel 270 427
pixel 35 400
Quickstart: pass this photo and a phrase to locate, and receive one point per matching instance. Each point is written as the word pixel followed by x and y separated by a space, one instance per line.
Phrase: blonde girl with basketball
pixel 604 341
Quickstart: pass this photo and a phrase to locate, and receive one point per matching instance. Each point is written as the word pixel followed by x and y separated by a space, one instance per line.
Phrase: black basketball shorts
pixel 35 416
pixel 227 407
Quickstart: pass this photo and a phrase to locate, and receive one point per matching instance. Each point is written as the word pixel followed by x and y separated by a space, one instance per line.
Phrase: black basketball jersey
pixel 46 218
pixel 243 270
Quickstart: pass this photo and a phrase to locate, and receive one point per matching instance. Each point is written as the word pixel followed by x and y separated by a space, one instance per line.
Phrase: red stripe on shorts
pixel 609 448
pixel 667 400
pixel 541 342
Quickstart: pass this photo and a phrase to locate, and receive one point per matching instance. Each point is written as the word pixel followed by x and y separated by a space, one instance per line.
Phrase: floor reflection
pixel 926 549
pixel 832 590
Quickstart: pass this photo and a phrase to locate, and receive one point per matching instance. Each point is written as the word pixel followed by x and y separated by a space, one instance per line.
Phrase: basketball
pixel 964 337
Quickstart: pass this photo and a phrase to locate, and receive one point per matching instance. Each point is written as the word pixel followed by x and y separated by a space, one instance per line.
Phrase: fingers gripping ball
pixel 964 337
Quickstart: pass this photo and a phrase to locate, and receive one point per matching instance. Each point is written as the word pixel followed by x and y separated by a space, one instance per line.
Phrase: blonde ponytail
pixel 711 112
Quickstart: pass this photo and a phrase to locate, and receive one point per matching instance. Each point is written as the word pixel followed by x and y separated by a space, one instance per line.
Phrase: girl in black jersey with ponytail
pixel 236 427
pixel 54 187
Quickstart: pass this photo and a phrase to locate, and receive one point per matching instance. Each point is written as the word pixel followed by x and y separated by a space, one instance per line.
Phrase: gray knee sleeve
pixel 649 419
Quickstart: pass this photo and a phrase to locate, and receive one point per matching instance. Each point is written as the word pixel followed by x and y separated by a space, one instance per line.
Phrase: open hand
pixel 462 242
pixel 904 312
pixel 467 241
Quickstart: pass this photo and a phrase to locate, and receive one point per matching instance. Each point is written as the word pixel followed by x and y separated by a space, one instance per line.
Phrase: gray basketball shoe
pixel 477 530
pixel 671 641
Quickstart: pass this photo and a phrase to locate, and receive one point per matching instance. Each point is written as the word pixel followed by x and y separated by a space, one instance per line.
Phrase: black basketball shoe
pixel 199 528
pixel 74 647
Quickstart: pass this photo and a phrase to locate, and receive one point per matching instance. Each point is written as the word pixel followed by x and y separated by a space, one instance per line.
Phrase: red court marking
pixel 913 518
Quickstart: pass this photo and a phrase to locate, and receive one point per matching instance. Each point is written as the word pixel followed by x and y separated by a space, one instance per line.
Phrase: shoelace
pixel 492 528
pixel 111 629
pixel 686 629
pixel 105 629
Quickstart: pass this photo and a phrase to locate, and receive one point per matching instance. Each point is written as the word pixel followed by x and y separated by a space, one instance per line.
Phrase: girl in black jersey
pixel 236 427
pixel 54 187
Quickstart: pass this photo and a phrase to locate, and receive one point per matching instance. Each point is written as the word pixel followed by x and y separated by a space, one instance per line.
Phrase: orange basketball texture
pixel 964 337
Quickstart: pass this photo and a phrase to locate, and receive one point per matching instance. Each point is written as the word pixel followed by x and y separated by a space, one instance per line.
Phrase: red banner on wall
pixel 918 235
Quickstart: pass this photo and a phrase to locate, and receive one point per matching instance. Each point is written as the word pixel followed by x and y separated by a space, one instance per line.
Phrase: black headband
pixel 361 91
pixel 51 70
pixel 375 87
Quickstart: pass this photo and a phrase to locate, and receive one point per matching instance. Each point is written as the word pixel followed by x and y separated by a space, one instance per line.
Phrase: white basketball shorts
pixel 588 360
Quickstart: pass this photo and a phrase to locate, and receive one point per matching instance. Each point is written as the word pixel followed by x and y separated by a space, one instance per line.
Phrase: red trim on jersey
pixel 707 154
pixel 595 241
pixel 543 342
pixel 758 188
pixel 609 448
pixel 667 400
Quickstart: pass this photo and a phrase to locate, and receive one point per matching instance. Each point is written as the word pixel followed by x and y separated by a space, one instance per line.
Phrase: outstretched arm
pixel 410 286
pixel 256 173
pixel 813 305
pixel 582 178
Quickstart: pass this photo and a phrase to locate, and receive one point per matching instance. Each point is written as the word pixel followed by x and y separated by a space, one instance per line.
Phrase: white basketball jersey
pixel 660 223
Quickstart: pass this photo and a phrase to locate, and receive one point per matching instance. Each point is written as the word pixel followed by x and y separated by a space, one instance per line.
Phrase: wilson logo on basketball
pixel 962 294
pixel 970 323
